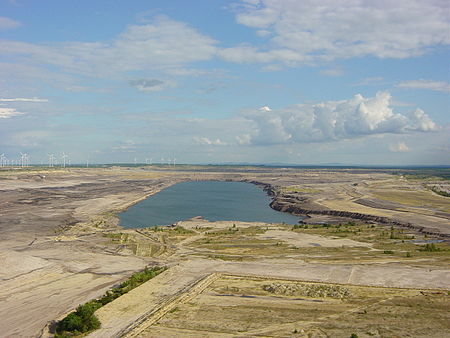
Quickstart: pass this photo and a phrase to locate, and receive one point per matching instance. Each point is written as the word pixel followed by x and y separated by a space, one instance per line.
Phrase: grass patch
pixel 83 320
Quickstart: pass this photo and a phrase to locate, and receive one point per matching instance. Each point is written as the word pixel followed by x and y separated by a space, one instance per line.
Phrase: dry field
pixel 60 246
pixel 234 306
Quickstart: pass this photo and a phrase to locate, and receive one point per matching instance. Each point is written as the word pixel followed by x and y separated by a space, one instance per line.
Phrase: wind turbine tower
pixel 23 160
pixel 51 160
pixel 64 158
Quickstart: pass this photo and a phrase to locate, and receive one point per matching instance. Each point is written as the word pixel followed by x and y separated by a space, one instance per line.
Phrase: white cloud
pixel 439 86
pixel 334 120
pixel 7 23
pixel 6 113
pixel 207 141
pixel 22 99
pixel 265 108
pixel 162 43
pixel 399 147
pixel 305 31
pixel 421 121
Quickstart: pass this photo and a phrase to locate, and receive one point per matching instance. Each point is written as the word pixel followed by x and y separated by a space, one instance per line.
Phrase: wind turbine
pixel 23 159
pixel 2 160
pixel 174 160
pixel 51 160
pixel 64 157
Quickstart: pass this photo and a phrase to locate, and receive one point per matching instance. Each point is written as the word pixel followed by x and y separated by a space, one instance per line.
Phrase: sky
pixel 352 82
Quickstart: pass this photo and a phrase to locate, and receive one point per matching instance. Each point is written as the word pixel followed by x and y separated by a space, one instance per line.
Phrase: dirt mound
pixel 308 290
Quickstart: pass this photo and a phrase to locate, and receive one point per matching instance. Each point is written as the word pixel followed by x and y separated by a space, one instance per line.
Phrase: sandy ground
pixel 160 292
pixel 306 240
pixel 49 265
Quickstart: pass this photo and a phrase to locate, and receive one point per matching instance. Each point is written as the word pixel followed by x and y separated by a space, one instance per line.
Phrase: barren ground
pixel 60 246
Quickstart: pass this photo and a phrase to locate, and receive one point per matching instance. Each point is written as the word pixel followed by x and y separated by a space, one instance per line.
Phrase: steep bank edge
pixel 296 209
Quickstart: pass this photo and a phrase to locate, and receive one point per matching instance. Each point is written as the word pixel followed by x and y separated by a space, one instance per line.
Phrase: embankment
pixel 281 202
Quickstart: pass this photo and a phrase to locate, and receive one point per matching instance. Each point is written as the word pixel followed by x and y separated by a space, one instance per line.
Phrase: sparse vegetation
pixel 440 192
pixel 430 247
pixel 83 320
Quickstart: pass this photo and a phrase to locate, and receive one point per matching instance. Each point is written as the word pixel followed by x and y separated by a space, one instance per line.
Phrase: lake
pixel 214 201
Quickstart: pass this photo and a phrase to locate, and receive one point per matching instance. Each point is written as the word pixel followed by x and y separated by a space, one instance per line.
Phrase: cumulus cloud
pixel 163 42
pixel 333 120
pixel 207 141
pixel 399 147
pixel 419 120
pixel 305 31
pixel 6 113
pixel 439 86
pixel 22 99
pixel 150 85
pixel 7 23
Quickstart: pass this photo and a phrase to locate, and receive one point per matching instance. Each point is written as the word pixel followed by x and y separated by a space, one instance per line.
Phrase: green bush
pixel 84 320
pixel 430 247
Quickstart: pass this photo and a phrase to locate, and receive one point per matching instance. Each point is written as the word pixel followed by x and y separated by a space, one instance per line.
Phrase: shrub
pixel 430 247
pixel 84 320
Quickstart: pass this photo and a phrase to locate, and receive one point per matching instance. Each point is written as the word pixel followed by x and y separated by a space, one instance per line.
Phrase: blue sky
pixel 256 81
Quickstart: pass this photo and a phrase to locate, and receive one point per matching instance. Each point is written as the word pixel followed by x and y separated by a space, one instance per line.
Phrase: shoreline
pixel 297 210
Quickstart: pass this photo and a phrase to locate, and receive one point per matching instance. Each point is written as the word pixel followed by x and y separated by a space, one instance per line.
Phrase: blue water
pixel 214 201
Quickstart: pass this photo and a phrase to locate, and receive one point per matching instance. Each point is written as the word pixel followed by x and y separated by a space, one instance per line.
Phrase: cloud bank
pixel 6 113
pixel 439 86
pixel 308 31
pixel 161 43
pixel 23 99
pixel 332 120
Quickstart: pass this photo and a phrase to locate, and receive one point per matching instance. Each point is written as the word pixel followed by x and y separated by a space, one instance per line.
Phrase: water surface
pixel 214 201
